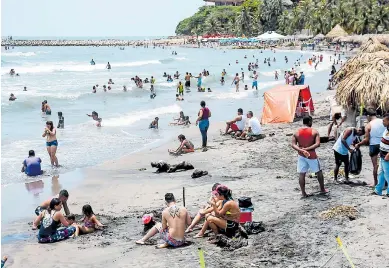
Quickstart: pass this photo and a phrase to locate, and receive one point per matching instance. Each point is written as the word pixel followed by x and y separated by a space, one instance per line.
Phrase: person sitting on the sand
pixel 172 229
pixel 254 130
pixel 181 117
pixel 182 122
pixel 50 220
pixel 186 146
pixel 207 209
pixel 90 222
pixel 225 219
pixel 237 124
pixel 154 123
pixel 32 165
pixel 63 196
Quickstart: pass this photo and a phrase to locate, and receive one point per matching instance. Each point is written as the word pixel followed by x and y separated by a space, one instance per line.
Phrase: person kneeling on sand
pixel 186 146
pixel 254 130
pixel 63 196
pixel 172 229
pixel 51 219
pixel 207 209
pixel 226 219
pixel 90 222
pixel 154 123
pixel 237 124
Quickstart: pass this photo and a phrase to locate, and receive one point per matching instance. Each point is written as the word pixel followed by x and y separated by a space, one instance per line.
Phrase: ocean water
pixel 64 77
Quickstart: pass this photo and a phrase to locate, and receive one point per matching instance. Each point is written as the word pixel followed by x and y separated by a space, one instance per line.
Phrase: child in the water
pixel 95 116
pixel 61 120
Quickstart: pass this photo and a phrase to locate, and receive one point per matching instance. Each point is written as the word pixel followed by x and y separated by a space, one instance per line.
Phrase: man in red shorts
pixel 237 124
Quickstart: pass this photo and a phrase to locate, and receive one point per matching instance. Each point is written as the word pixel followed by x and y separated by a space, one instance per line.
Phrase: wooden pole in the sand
pixel 183 194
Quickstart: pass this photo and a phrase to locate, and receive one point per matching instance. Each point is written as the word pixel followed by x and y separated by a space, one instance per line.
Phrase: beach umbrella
pixel 337 31
pixel 319 36
pixel 270 36
pixel 364 79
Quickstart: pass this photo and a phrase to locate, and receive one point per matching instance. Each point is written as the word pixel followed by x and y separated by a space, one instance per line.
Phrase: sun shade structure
pixel 270 36
pixel 319 37
pixel 282 102
pixel 337 31
pixel 364 79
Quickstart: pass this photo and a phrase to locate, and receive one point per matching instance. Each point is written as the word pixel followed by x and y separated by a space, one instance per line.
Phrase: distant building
pixel 224 2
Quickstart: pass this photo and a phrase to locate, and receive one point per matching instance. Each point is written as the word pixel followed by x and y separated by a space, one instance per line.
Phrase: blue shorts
pixel 52 143
pixel 255 84
pixel 48 112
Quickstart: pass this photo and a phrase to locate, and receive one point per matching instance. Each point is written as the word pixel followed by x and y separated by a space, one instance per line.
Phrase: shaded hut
pixel 364 79
pixel 319 36
pixel 337 31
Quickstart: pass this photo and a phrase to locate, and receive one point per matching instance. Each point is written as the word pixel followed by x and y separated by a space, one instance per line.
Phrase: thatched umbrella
pixel 337 31
pixel 364 79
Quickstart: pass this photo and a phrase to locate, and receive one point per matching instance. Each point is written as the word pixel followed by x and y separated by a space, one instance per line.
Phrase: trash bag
pixel 254 227
pixel 245 202
pixel 199 173
pixel 355 162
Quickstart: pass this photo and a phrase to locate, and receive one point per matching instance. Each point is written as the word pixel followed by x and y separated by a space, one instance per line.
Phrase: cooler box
pixel 246 215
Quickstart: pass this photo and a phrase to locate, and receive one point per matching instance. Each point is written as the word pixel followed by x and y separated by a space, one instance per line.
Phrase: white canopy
pixel 270 36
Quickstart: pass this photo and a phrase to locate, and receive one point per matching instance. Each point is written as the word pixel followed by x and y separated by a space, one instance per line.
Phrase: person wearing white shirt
pixel 254 130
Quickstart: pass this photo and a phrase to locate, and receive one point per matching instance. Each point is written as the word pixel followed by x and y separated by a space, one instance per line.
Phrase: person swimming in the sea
pixel 12 97
pixel 108 66
pixel 164 74
pixel 154 123
pixel 61 120
pixel 110 82
pixel 92 62
pixel 95 116
pixel 94 89
pixel 25 89
pixel 46 108
pixel 124 88
pixel 152 92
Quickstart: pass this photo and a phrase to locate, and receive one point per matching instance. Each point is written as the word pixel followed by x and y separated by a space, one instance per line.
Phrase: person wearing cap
pixel 172 229
pixel 32 165
pixel 237 124
pixel 154 123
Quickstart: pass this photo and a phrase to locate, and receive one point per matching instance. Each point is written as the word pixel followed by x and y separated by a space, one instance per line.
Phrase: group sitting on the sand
pixel 244 127
pixel 221 215
pixel 54 226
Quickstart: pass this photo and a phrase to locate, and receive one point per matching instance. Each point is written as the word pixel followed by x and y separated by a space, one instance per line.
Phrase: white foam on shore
pixel 128 119
pixel 18 54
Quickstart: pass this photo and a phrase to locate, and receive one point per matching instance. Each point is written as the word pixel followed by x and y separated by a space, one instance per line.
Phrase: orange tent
pixel 280 103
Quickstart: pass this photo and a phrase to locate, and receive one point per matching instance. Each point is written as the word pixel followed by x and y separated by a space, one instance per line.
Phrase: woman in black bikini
pixel 227 218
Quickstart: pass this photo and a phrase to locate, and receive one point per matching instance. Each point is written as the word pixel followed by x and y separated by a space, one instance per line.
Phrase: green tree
pixel 212 25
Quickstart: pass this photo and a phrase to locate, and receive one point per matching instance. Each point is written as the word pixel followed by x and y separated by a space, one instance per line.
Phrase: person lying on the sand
pixel 172 229
pixel 186 146
pixel 254 130
pixel 50 220
pixel 63 196
pixel 90 222
pixel 207 209
pixel 226 219
pixel 237 124
pixel 182 122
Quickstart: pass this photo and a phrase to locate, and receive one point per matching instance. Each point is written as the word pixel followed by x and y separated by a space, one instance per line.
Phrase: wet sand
pixel 121 191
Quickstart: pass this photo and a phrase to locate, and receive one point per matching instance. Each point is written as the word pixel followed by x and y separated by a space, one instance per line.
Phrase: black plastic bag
pixel 254 227
pixel 355 162
pixel 245 202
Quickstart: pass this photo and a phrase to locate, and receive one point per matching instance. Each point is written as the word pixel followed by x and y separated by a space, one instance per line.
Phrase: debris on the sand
pixel 230 243
pixel 199 173
pixel 162 166
pixel 337 211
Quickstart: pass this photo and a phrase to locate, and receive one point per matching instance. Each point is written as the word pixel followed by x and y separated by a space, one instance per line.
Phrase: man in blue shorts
pixel 255 80
pixel 32 165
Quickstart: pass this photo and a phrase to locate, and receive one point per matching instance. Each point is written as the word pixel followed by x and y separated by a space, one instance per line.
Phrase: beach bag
pixel 355 162
pixel 245 202
pixel 254 227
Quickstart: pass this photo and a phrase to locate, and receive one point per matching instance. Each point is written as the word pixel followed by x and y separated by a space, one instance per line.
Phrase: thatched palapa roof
pixel 319 36
pixel 337 31
pixel 364 79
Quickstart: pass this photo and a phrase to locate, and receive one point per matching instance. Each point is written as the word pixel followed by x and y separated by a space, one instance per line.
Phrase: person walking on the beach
pixel 51 142
pixel 383 171
pixel 305 141
pixel 236 82
pixel 255 80
pixel 199 80
pixel 180 89
pixel 203 122
pixel 276 75
pixel 342 148
pixel 175 219
pixel 373 136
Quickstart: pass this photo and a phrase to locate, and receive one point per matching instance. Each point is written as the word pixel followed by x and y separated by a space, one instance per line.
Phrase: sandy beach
pixel 121 191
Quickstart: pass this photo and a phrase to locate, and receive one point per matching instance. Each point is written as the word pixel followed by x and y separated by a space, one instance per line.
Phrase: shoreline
pixel 119 193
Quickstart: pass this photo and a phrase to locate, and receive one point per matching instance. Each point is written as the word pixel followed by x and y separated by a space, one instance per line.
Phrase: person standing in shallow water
pixel 51 142
pixel 305 141
pixel 203 122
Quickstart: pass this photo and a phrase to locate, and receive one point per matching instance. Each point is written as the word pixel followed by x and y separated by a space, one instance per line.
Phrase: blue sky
pixel 94 17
